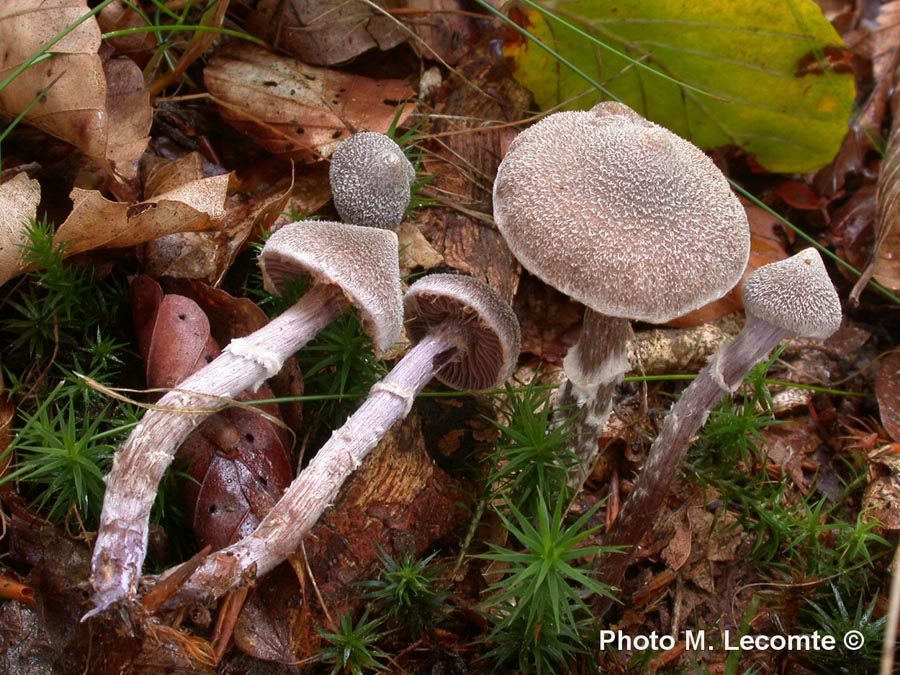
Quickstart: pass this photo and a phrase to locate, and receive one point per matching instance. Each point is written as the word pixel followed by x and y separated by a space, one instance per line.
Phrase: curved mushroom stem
pixel 594 367
pixel 721 376
pixel 316 486
pixel 139 464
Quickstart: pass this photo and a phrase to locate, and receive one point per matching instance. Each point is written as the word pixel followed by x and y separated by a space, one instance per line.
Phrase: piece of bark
pixel 398 501
pixel 465 164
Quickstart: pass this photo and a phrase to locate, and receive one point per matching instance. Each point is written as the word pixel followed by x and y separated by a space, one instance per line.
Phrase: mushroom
pixel 465 335
pixel 347 265
pixel 371 180
pixel 792 297
pixel 627 218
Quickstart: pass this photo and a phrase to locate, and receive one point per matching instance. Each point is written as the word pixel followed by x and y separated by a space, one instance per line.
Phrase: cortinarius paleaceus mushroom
pixel 346 265
pixel 792 297
pixel 371 180
pixel 465 335
pixel 629 219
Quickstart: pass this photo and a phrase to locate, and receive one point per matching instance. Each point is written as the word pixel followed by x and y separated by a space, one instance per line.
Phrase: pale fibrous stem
pixel 594 368
pixel 141 461
pixel 317 485
pixel 722 376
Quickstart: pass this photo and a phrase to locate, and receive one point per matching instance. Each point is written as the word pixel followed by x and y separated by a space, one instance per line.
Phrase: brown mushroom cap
pixel 795 294
pixel 370 180
pixel 621 214
pixel 362 261
pixel 494 338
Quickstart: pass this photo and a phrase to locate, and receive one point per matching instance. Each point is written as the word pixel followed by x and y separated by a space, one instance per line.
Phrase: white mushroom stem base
pixel 140 463
pixel 315 488
pixel 594 367
pixel 721 376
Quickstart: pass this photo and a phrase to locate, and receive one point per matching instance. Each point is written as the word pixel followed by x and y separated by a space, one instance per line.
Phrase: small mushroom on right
pixel 792 297
pixel 371 180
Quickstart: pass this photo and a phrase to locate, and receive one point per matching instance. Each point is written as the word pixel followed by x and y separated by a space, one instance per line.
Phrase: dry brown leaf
pixel 208 255
pixel 415 251
pixel 19 199
pixel 96 222
pixel 294 109
pixel 324 32
pixel 102 110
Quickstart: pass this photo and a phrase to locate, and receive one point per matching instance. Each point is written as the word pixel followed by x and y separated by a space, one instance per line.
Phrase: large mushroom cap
pixel 362 261
pixel 621 214
pixel 494 338
pixel 795 294
pixel 371 180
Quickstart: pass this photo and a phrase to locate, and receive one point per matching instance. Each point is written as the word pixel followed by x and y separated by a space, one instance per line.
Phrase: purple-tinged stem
pixel 721 376
pixel 594 367
pixel 139 464
pixel 315 488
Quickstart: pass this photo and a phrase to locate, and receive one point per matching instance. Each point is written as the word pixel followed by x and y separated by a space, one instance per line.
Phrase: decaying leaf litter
pixel 238 146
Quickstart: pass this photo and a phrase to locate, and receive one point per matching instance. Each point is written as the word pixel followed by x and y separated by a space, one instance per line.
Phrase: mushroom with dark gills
pixel 346 265
pixel 627 218
pixel 792 297
pixel 465 335
pixel 371 180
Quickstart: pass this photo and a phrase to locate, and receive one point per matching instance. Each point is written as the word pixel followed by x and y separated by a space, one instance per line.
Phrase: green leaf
pixel 765 75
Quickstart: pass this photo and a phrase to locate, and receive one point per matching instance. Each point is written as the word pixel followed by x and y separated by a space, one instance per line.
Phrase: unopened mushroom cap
pixel 370 180
pixel 621 214
pixel 494 340
pixel 795 294
pixel 363 261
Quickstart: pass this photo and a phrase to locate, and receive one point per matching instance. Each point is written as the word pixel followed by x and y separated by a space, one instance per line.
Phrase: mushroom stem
pixel 139 464
pixel 721 376
pixel 315 488
pixel 594 367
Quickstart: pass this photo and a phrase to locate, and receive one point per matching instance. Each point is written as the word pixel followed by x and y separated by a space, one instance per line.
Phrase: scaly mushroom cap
pixel 621 214
pixel 370 180
pixel 493 329
pixel 362 261
pixel 795 294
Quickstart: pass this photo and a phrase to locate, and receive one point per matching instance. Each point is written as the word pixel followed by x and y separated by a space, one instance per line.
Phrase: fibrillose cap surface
pixel 620 214
pixel 494 338
pixel 362 261
pixel 795 294
pixel 371 180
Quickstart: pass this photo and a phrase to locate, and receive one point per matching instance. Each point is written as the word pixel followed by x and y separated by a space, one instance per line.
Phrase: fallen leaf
pixel 96 222
pixel 324 32
pixel 19 198
pixel 294 109
pixel 881 498
pixel 180 343
pixel 208 255
pixel 102 109
pixel 678 550
pixel 765 75
pixel 415 251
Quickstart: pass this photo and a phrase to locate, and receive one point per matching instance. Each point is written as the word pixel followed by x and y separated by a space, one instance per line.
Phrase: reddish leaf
pixel 180 344
pixel 800 195
pixel 238 460
pixel 239 466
